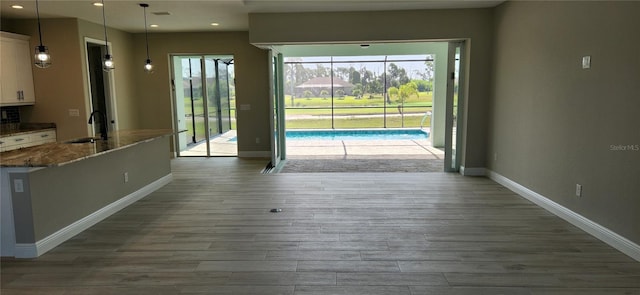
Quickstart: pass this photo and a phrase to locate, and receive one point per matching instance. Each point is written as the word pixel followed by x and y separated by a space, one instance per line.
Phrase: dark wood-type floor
pixel 210 232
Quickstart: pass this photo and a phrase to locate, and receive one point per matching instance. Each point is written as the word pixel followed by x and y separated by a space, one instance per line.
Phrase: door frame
pixel 110 89
pixel 177 84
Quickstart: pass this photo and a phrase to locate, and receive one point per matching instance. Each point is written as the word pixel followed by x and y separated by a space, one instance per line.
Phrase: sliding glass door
pixel 204 100
pixel 454 106
pixel 277 108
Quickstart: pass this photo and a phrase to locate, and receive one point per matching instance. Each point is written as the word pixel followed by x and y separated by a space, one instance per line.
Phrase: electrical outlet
pixel 257 139
pixel 126 177
pixel 495 156
pixel 578 190
pixel 18 186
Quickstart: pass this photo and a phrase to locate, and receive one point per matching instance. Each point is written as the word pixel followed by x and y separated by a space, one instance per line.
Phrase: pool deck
pixel 331 149
pixel 220 146
pixel 362 149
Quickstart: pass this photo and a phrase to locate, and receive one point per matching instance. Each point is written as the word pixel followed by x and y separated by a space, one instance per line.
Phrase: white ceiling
pixel 193 16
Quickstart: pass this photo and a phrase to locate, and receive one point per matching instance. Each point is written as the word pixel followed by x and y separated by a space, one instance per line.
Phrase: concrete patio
pixel 303 156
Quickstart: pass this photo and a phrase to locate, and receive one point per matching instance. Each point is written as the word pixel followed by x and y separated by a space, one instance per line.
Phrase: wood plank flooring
pixel 210 232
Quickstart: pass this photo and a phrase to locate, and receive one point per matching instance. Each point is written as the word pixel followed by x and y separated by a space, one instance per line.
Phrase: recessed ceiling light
pixel 154 26
pixel 97 4
pixel 215 24
pixel 17 6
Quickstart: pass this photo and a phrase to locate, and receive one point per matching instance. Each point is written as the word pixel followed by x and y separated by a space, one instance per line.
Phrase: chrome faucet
pixel 103 126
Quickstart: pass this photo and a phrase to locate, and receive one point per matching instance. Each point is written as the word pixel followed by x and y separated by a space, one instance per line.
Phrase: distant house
pixel 316 85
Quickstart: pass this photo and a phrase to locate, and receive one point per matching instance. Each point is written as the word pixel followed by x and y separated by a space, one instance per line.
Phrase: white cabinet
pixel 16 71
pixel 42 137
pixel 14 142
pixel 23 140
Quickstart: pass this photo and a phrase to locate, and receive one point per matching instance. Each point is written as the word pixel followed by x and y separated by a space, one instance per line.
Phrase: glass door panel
pixel 213 97
pixel 454 97
pixel 225 96
pixel 205 109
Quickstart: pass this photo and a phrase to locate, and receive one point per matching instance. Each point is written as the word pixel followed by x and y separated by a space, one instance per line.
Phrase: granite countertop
pixel 60 153
pixel 8 129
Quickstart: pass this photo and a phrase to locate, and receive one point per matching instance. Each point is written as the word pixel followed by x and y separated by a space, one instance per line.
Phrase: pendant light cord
pixel 39 29
pixel 146 34
pixel 104 22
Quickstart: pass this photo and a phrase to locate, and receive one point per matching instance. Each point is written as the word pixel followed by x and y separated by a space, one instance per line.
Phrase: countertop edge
pixel 106 152
pixel 161 134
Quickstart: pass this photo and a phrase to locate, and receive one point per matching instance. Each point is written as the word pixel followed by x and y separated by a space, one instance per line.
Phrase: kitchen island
pixel 54 191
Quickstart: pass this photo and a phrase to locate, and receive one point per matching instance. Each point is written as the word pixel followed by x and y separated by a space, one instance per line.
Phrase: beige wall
pixel 472 24
pixel 154 98
pixel 553 123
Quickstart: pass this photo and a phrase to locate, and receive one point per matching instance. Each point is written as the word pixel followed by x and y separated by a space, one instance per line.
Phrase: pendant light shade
pixel 107 62
pixel 148 67
pixel 42 58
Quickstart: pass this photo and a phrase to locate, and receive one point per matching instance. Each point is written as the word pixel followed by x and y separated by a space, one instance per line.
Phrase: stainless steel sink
pixel 85 140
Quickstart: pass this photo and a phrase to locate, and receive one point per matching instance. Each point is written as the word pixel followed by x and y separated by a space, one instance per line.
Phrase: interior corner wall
pixel 399 26
pixel 154 94
pixel 554 124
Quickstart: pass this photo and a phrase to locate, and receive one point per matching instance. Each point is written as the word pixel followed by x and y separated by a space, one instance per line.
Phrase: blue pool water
pixel 376 134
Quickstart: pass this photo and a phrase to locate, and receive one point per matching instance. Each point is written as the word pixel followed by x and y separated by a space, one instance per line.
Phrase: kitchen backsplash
pixel 10 115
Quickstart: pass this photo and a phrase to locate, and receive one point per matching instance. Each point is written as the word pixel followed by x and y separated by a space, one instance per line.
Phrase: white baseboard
pixel 606 235
pixel 254 154
pixel 57 238
pixel 481 171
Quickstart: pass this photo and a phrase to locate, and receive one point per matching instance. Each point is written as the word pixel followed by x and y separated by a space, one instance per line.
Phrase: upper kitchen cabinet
pixel 16 74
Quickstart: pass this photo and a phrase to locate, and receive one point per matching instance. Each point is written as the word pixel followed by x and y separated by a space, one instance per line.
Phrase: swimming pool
pixel 373 134
pixel 359 134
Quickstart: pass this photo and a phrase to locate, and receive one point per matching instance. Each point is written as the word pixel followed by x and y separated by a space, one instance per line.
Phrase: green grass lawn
pixel 423 99
pixel 351 123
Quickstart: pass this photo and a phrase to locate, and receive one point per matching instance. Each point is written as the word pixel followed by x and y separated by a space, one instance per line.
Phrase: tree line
pixel 395 81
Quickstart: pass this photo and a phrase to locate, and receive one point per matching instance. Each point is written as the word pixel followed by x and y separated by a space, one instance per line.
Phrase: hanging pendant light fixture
pixel 108 63
pixel 42 57
pixel 148 67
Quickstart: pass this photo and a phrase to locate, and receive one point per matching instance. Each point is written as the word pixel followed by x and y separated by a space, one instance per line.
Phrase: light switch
pixel 245 107
pixel 586 62
pixel 74 112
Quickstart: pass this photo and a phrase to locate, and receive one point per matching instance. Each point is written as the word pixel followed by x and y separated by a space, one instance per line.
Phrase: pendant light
pixel 148 67
pixel 42 57
pixel 108 63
